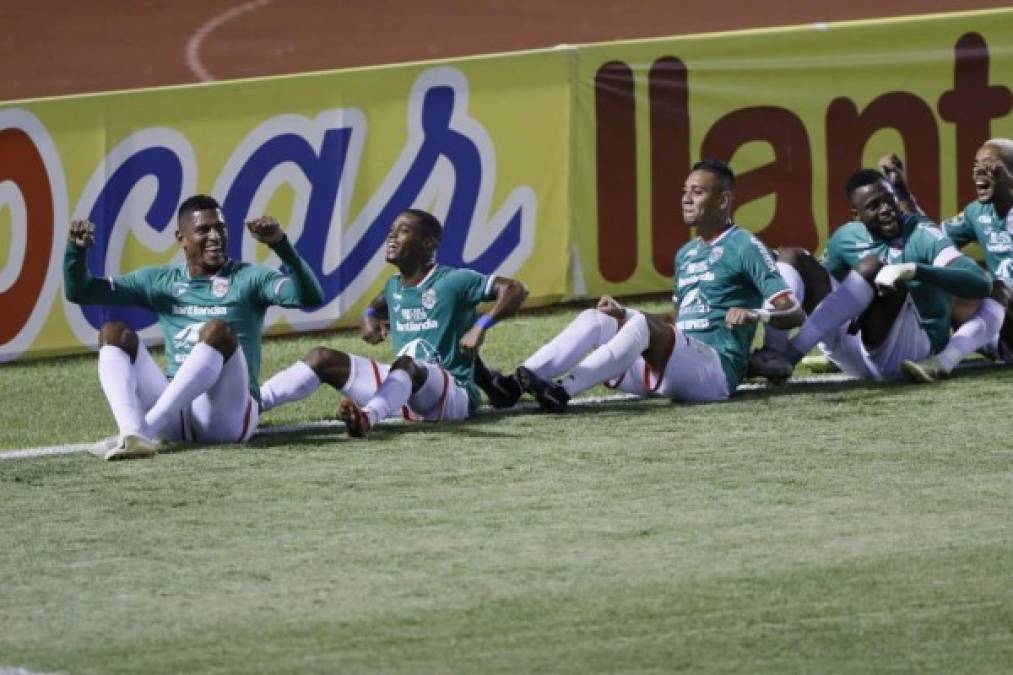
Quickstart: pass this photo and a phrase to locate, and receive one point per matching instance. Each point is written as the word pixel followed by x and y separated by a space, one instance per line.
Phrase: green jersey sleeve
pixel 959 229
pixel 759 267
pixel 294 285
pixel 471 287
pixel 134 288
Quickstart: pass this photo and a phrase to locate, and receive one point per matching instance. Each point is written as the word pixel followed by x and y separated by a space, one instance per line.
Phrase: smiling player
pixel 211 311
pixel 435 330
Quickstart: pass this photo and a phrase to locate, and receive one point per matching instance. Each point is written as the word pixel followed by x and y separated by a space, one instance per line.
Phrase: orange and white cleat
pixel 355 418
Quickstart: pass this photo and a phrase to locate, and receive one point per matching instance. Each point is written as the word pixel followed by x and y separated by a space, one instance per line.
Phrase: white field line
pixel 828 378
pixel 193 45
pixel 11 670
pixel 337 424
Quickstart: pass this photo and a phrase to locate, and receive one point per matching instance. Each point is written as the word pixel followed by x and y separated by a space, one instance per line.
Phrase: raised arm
pixel 892 167
pixel 80 286
pixel 509 295
pixel 304 289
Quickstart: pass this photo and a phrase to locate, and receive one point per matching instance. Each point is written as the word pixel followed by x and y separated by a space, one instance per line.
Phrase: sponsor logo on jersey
pixel 421 350
pixel 985 219
pixel 999 241
pixel 429 298
pixel 694 302
pixel 693 324
pixel 194 310
pixel 220 287
pixel 179 289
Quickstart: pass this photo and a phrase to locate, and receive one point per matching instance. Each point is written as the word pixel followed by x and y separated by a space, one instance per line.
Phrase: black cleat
pixel 503 391
pixel 770 364
pixel 550 395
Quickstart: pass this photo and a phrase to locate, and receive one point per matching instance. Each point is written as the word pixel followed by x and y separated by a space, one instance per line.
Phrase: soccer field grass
pixel 845 528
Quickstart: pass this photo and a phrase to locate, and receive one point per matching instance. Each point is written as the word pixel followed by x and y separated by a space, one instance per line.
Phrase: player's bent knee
pixel 219 335
pixel 118 334
pixel 416 371
pixel 321 359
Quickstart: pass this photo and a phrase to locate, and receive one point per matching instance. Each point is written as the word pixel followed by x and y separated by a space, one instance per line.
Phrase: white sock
pixel 292 384
pixel 118 378
pixel 613 358
pixel 589 330
pixel 980 330
pixel 393 393
pixel 198 373
pixel 848 301
pixel 777 338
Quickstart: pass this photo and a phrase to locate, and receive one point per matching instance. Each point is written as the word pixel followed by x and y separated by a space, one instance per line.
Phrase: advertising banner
pixel 795 111
pixel 482 143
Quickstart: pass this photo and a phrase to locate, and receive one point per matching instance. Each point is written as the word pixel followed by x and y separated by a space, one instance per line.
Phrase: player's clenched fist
pixel 608 305
pixel 266 230
pixel 82 233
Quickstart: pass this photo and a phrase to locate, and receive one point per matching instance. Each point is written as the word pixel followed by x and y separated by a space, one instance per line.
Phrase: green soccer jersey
pixel 919 241
pixel 427 321
pixel 734 270
pixel 239 293
pixel 980 222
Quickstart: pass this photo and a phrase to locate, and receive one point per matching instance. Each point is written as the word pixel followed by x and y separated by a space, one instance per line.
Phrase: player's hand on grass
pixel 82 233
pixel 890 275
pixel 266 230
pixel 472 340
pixel 372 330
pixel 608 305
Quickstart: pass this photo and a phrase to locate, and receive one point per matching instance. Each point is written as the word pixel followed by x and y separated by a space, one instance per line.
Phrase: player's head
pixel 988 181
pixel 201 233
pixel 873 203
pixel 707 194
pixel 413 238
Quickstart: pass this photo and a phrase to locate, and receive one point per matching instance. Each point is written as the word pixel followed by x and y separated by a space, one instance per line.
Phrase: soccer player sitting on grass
pixel 211 311
pixel 697 352
pixel 435 329
pixel 989 221
pixel 882 294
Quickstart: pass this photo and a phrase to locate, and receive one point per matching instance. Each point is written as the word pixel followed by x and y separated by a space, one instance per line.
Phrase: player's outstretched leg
pixel 123 363
pixel 198 373
pixel 357 422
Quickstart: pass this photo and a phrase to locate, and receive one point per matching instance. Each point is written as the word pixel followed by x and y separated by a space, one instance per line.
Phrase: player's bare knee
pixel 219 335
pixel 118 334
pixel 868 267
pixel 322 359
pixel 418 373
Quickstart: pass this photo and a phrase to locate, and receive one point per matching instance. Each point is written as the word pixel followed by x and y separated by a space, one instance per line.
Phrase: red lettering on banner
pixel 848 131
pixel 971 105
pixel 788 177
pixel 616 171
pixel 669 100
pixel 21 163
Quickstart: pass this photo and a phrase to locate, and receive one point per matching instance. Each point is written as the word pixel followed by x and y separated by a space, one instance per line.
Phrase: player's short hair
pixel 1005 148
pixel 719 169
pixel 430 225
pixel 196 203
pixel 860 179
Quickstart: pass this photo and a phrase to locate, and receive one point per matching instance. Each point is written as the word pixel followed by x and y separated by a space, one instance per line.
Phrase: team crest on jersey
pixel 715 254
pixel 429 298
pixel 220 287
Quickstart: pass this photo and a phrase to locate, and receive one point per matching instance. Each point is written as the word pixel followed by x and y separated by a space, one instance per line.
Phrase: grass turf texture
pixel 842 528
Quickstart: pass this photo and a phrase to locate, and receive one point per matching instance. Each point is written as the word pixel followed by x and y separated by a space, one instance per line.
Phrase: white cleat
pixel 128 446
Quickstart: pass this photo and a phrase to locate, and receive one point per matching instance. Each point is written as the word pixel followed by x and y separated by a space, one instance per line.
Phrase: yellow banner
pixel 795 111
pixel 482 143
pixel 562 168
